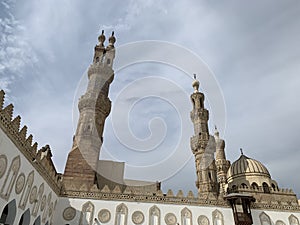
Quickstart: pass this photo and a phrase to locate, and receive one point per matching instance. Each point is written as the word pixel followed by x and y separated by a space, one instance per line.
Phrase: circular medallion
pixel 3 165
pixel 203 220
pixel 33 195
pixel 20 183
pixel 104 215
pixel 43 203
pixel 170 219
pixel 137 217
pixel 69 213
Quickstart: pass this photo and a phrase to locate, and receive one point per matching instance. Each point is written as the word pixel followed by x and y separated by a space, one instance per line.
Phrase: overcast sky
pixel 251 47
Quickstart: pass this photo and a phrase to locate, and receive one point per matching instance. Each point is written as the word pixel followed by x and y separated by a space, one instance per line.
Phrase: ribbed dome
pixel 246 166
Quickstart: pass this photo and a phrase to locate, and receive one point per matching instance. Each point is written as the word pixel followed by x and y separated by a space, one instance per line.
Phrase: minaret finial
pixel 195 84
pixel 241 151
pixel 216 132
pixel 101 38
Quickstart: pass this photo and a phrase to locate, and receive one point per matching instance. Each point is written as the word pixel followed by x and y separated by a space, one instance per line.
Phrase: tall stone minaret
pixel 221 162
pixel 202 145
pixel 94 107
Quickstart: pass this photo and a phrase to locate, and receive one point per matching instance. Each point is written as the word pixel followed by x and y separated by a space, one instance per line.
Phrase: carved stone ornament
pixel 203 220
pixel 3 165
pixel 138 217
pixel 69 213
pixel 33 195
pixel 170 219
pixel 50 211
pixel 43 203
pixel 104 215
pixel 20 183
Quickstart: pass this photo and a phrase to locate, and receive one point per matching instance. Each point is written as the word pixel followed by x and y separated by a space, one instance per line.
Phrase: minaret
pixel 221 163
pixel 94 107
pixel 202 145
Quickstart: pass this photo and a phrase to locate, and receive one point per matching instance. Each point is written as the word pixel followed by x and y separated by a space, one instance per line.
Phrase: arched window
pixel 274 187
pixel 254 186
pixel 37 221
pixel 293 220
pixel 25 218
pixel 8 214
pixel 186 217
pixel 154 215
pixel 243 185
pixel 217 217
pixel 266 187
pixel 264 219
pixel 121 214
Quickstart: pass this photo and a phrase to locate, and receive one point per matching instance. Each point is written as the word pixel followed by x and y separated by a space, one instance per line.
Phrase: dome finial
pixel 241 151
pixel 195 84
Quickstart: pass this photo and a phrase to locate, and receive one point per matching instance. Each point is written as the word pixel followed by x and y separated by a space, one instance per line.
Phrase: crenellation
pixel 16 123
pixel 2 96
pixel 7 112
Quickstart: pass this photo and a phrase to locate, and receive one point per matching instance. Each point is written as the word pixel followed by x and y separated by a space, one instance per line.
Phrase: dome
pixel 246 166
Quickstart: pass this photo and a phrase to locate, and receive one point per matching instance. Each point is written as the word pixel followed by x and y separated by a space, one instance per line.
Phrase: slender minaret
pixel 221 163
pixel 202 145
pixel 94 107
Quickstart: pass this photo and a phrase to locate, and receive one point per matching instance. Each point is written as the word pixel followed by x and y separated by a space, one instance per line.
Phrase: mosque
pixel 93 191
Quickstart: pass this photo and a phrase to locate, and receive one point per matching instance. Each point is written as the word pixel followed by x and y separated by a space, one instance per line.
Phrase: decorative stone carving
pixel 3 165
pixel 170 219
pixel 104 215
pixel 20 183
pixel 43 203
pixel 33 195
pixel 137 217
pixel 186 216
pixel 50 211
pixel 203 220
pixel 69 213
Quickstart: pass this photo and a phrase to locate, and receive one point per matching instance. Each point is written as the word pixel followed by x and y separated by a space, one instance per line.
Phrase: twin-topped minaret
pixel 94 107
pixel 211 173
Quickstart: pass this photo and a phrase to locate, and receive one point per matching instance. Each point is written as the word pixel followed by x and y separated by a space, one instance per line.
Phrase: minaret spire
pixel 94 107
pixel 221 163
pixel 202 145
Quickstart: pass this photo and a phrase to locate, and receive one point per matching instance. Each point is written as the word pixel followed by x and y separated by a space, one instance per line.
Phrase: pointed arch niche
pixel 121 214
pixel 10 178
pixel 293 220
pixel 264 219
pixel 186 217
pixel 154 215
pixel 279 222
pixel 87 214
pixel 217 217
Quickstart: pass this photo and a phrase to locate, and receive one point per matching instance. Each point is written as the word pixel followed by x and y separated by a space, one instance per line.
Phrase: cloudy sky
pixel 251 47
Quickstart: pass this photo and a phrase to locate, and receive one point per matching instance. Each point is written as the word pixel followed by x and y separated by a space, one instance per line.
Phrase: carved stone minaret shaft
pixel 94 107
pixel 202 145
pixel 221 163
